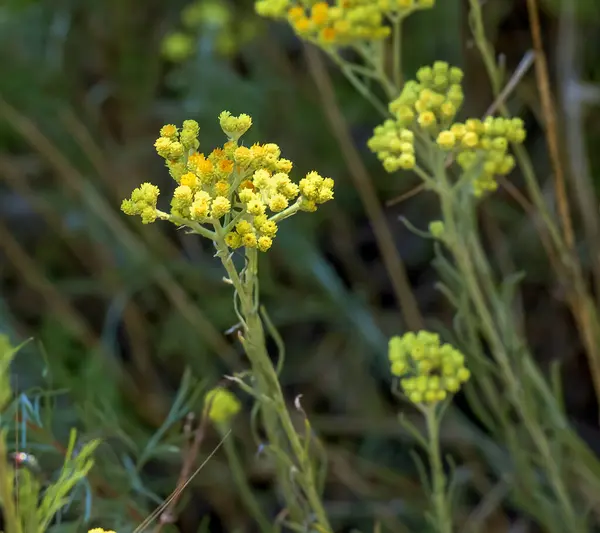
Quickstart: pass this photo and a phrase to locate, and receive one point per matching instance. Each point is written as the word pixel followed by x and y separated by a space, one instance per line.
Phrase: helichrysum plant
pixel 236 196
pixel 429 372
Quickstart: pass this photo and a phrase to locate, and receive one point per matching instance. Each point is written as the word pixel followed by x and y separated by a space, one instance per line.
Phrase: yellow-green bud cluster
pixel 428 370
pixel 432 100
pixel 234 127
pixel 394 146
pixel 428 103
pixel 342 22
pixel 222 405
pixel 142 202
pixel 485 144
pixel 245 190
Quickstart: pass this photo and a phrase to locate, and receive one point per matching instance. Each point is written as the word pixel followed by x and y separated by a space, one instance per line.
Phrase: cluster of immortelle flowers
pixel 241 191
pixel 427 107
pixel 341 22
pixel 428 370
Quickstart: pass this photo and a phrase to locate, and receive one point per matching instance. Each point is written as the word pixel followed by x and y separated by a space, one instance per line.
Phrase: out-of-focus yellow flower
pixel 178 46
pixel 428 370
pixel 222 405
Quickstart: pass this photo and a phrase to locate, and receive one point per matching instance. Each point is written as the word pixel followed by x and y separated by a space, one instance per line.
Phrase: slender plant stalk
pixel 278 425
pixel 460 246
pixel 442 515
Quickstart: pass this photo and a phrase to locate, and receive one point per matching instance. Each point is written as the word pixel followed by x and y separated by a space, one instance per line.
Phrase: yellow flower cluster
pixel 429 371
pixel 341 22
pixel 100 530
pixel 222 405
pixel 484 143
pixel 245 190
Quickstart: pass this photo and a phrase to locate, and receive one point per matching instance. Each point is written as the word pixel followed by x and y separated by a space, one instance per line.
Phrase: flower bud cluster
pixel 428 371
pixel 483 145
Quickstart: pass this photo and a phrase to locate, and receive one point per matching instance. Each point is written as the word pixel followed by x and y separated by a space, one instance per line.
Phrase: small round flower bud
pixel 163 146
pixel 446 140
pixel 175 150
pixel 470 140
pixel 427 119
pixel 436 228
pixel 406 161
pixel 243 227
pixel 278 203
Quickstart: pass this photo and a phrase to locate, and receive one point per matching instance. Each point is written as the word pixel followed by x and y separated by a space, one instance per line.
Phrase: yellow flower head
pixel 233 240
pixel 163 146
pixel 220 207
pixel 169 131
pixel 189 180
pixel 264 243
pixel 319 13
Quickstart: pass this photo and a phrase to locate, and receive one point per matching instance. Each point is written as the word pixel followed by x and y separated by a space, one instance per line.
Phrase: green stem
pixel 443 518
pixel 461 251
pixel 279 428
pixel 244 488
pixel 287 212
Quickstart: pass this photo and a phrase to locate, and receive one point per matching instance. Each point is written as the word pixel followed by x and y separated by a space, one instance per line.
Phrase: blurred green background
pixel 119 311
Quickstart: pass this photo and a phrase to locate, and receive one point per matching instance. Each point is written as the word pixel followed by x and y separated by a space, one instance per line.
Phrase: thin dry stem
pixel 549 110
